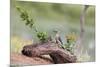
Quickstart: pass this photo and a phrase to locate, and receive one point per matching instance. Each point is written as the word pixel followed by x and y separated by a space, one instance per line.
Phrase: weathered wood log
pixel 57 54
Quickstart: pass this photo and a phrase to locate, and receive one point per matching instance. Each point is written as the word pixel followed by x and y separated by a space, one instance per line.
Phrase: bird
pixel 57 37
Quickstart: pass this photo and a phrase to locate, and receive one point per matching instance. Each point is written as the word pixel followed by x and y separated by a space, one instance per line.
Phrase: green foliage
pixel 70 42
pixel 69 46
pixel 42 36
pixel 25 17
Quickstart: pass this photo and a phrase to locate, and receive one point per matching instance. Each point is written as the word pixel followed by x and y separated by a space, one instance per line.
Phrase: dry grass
pixel 17 43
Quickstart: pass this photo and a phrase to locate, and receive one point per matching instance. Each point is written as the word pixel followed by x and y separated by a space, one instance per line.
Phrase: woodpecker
pixel 58 38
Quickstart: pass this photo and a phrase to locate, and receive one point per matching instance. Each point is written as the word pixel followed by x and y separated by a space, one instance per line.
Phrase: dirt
pixel 19 59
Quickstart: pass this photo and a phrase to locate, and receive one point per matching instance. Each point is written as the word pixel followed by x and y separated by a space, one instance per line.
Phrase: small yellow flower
pixel 71 36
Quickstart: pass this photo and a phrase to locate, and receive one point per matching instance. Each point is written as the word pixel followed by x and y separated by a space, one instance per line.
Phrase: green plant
pixel 70 42
pixel 25 17
pixel 42 36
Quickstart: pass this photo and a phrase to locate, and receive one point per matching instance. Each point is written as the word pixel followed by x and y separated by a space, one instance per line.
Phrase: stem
pixel 82 25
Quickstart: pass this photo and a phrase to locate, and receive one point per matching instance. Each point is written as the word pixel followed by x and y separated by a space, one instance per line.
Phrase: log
pixel 57 54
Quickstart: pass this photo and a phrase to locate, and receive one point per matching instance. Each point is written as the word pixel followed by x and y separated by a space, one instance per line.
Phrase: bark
pixel 57 54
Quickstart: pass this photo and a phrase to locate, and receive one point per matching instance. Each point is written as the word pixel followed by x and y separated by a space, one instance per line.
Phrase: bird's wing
pixel 60 40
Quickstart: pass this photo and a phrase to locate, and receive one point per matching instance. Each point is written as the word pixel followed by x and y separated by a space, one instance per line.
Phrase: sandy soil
pixel 19 59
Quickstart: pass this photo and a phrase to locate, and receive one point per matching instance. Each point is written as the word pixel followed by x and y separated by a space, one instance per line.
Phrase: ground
pixel 19 59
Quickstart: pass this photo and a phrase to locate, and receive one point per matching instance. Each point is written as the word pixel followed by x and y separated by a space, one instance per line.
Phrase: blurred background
pixel 50 16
